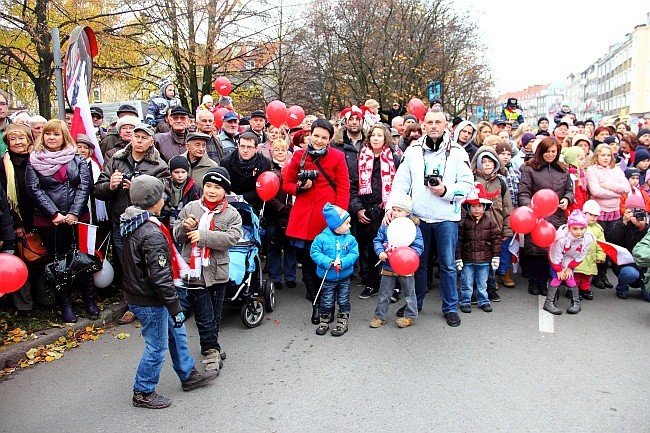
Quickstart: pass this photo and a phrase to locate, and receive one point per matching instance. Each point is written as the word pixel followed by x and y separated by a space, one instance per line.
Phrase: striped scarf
pixel 200 256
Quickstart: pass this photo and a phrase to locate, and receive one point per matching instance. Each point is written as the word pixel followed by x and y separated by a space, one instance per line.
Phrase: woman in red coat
pixel 315 175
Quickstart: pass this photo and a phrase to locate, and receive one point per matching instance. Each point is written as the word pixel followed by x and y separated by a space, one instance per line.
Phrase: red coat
pixel 306 220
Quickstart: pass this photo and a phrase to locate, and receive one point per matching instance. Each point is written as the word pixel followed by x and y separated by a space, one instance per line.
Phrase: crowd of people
pixel 343 182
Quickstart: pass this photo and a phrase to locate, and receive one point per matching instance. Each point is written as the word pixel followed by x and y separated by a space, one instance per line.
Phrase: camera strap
pixel 320 168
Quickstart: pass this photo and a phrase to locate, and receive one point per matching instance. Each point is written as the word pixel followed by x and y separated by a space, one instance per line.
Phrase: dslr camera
pixel 432 179
pixel 305 175
pixel 130 176
pixel 639 214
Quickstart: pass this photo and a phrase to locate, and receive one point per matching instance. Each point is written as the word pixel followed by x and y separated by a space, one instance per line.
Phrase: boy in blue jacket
pixel 335 251
pixel 402 206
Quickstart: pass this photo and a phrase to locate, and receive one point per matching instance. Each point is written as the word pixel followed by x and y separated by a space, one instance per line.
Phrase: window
pixel 249 64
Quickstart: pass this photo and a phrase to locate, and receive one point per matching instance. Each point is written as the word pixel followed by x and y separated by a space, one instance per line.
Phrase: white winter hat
pixel 402 201
pixel 592 207
pixel 206 99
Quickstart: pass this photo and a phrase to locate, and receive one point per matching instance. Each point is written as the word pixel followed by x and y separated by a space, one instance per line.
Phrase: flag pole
pixel 58 68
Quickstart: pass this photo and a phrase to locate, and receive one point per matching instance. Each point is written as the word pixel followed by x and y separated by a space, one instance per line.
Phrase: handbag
pixel 31 249
pixel 75 265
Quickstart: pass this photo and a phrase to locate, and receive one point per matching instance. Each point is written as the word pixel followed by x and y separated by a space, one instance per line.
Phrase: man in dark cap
pixel 113 135
pixel 172 143
pixel 97 115
pixel 198 158
pixel 258 122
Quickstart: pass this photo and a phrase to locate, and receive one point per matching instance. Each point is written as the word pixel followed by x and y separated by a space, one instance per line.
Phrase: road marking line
pixel 546 319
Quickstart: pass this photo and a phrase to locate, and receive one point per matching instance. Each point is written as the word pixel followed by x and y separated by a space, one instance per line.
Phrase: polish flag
pixel 619 255
pixel 87 235
pixel 515 244
pixel 82 122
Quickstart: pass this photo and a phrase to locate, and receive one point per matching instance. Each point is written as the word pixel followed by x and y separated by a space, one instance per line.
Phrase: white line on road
pixel 546 319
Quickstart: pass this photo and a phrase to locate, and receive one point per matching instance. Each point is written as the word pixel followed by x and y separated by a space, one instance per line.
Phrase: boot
pixel 549 305
pixel 597 281
pixel 341 325
pixel 533 289
pixel 315 316
pixel 542 289
pixel 88 294
pixel 323 324
pixel 601 280
pixel 506 279
pixel 65 302
pixel 575 302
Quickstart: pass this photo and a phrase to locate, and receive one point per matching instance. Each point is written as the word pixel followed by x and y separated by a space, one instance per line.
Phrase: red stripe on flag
pixel 82 231
pixel 619 255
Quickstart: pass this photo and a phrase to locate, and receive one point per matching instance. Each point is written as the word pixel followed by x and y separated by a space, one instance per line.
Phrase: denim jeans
pixel 183 298
pixel 630 275
pixel 159 335
pixel 342 290
pixel 279 243
pixel 218 293
pixel 445 235
pixel 386 287
pixel 201 301
pixel 118 242
pixel 505 260
pixel 474 274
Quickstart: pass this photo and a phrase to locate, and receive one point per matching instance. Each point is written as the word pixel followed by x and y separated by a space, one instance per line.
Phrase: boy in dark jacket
pixel 184 189
pixel 150 268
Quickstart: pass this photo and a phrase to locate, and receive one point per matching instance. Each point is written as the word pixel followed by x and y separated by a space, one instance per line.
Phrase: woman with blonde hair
pixel 484 130
pixel 521 130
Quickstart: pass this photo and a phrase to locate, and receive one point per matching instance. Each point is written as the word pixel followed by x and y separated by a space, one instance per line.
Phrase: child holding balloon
pixel 384 242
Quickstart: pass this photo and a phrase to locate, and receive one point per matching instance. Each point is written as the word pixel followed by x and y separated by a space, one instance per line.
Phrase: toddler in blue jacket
pixel 335 251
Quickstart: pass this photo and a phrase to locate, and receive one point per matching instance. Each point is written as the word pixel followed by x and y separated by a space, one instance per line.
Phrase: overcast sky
pixel 522 36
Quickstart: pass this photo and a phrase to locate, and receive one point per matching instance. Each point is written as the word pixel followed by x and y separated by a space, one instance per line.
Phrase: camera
pixel 129 176
pixel 639 214
pixel 432 179
pixel 305 175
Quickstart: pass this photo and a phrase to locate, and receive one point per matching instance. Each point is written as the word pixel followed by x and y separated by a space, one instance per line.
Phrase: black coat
pixel 243 180
pixel 7 235
pixel 25 203
pixel 626 236
pixel 370 202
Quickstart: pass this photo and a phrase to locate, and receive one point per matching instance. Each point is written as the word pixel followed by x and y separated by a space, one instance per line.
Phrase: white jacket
pixel 567 251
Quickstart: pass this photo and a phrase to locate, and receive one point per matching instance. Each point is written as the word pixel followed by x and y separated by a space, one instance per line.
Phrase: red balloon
pixel 417 108
pixel 218 116
pixel 523 220
pixel 276 112
pixel 13 273
pixel 222 86
pixel 543 234
pixel 544 203
pixel 267 185
pixel 404 261
pixel 295 116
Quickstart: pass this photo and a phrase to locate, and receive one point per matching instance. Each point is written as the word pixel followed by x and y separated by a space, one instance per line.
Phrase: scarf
pixel 200 256
pixel 314 153
pixel 12 193
pixel 47 163
pixel 247 166
pixel 179 267
pixel 387 166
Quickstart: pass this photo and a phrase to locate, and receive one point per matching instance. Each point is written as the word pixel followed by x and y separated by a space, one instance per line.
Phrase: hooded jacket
pixel 158 106
pixel 327 247
pixel 470 147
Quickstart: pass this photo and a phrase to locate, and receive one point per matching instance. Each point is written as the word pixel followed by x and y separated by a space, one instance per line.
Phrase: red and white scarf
pixel 200 256
pixel 179 267
pixel 387 166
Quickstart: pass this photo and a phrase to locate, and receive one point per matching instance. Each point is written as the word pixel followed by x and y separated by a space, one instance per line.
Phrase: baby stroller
pixel 246 286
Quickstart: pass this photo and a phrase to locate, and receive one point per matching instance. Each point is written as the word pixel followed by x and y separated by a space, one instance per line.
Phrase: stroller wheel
pixel 269 296
pixel 252 313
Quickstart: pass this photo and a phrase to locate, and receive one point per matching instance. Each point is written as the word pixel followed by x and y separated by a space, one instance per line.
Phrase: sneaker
pixel 368 292
pixel 394 297
pixel 473 300
pixel 404 322
pixel 278 285
pixel 376 322
pixel 494 296
pixel 466 308
pixel 291 284
pixel 453 319
pixel 153 400
pixel 486 307
pixel 621 295
pixel 197 380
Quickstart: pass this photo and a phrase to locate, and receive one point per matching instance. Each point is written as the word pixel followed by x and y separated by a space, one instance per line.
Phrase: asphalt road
pixel 496 372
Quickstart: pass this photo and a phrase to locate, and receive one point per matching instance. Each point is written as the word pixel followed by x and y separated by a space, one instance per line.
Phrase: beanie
pixel 577 219
pixel 179 161
pixel 541 119
pixel 527 138
pixel 640 154
pixel 503 147
pixel 609 140
pixel 571 155
pixel 146 191
pixel 411 116
pixel 206 99
pixel 634 202
pixel 126 120
pixel 334 216
pixel 642 132
pixel 218 175
pixel 401 201
pixel 632 171
pixel 592 207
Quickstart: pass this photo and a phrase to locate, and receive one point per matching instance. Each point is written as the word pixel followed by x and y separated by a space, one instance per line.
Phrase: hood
pixel 163 86
pixel 152 155
pixel 132 218
pixel 490 153
pixel 460 127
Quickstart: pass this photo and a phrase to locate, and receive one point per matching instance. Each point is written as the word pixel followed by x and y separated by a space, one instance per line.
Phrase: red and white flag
pixel 515 245
pixel 82 122
pixel 619 255
pixel 87 235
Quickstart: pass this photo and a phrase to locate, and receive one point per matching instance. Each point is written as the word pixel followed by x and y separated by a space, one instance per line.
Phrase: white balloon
pixel 104 278
pixel 401 232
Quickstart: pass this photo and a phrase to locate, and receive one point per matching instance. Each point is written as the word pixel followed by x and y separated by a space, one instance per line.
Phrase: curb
pixel 15 352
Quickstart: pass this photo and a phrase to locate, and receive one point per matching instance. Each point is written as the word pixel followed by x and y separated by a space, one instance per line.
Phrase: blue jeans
pixel 277 244
pixel 159 335
pixel 342 290
pixel 386 287
pixel 201 301
pixel 118 242
pixel 505 262
pixel 474 273
pixel 445 234
pixel 630 275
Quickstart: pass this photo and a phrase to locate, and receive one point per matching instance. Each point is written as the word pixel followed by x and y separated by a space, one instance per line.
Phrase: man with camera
pixel 315 175
pixel 435 171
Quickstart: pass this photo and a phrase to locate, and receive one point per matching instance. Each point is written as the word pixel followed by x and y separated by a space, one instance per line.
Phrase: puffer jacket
pixel 327 247
pixel 627 236
pixel 227 232
pixel 381 240
pixel 641 254
pixel 567 251
pixel 343 143
pixel 478 241
pixel 118 200
pixel 146 263
pixel 551 177
pixel 595 254
pixel 169 144
pixel 51 196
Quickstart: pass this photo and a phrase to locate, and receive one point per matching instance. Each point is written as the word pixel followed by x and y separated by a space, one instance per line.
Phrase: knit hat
pixel 541 119
pixel 224 101
pixel 206 99
pixel 412 117
pixel 127 120
pixel 608 140
pixel 17 127
pixel 83 138
pixel 146 191
pixel 580 137
pixel 571 155
pixel 334 216
pixel 401 201
pixel 592 207
pixel 634 201
pixel 642 132
pixel 577 219
pixel 218 175
pixel 640 154
pixel 632 171
pixel 179 161
pixel 503 147
pixel 527 138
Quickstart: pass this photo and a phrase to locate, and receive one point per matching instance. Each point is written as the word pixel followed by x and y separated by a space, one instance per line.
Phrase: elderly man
pixel 228 134
pixel 205 125
pixel 200 163
pixel 435 171
pixel 258 123
pixel 172 143
pixel 398 123
pixel 36 124
pixel 124 129
pixel 112 135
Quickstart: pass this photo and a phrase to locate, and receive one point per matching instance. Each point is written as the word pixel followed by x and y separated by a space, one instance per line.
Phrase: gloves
pixel 495 263
pixel 178 319
pixel 459 265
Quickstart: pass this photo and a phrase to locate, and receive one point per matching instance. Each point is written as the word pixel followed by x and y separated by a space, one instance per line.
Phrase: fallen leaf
pixel 276 322
pixel 122 336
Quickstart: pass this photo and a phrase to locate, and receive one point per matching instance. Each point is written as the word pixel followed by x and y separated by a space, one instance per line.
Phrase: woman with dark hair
pixel 629 143
pixel 412 132
pixel 59 181
pixel 600 134
pixel 543 171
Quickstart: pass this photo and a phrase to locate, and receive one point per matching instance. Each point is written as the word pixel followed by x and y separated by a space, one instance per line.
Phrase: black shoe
pixel 453 319
pixel 368 292
pixel 543 290
pixel 486 307
pixel 278 285
pixel 598 282
pixel 315 315
pixel 621 295
pixel 197 380
pixel 607 283
pixel 533 289
pixel 152 400
pixel 400 312
pixel 473 300
pixel 394 297
pixel 291 284
pixel 494 296
pixel 587 294
pixel 466 308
